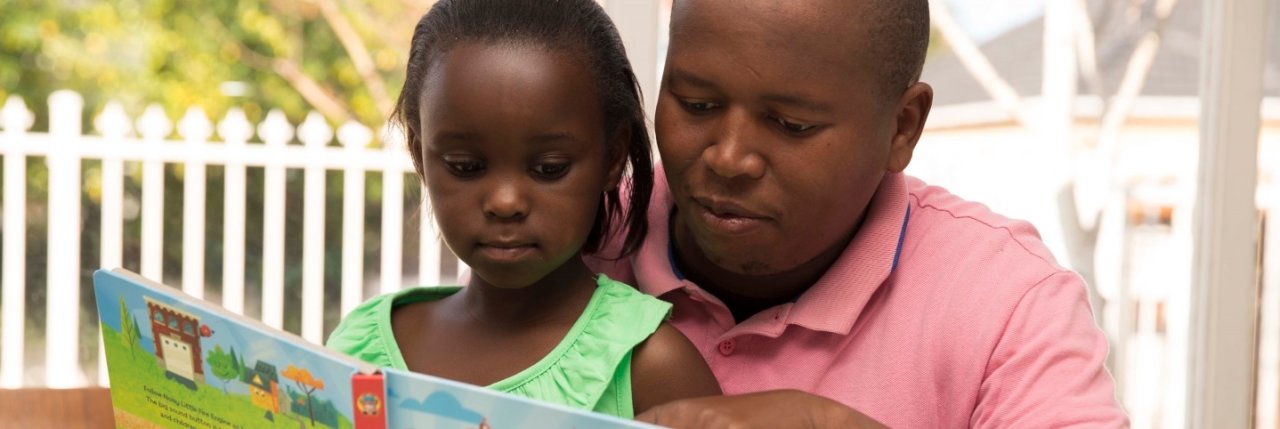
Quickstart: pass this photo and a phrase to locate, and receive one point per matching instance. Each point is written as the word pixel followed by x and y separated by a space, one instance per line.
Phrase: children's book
pixel 176 361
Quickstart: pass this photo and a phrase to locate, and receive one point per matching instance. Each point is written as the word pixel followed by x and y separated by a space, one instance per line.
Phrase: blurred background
pixel 237 149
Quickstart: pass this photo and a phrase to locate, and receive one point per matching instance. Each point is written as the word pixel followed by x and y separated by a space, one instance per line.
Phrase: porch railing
pixel 120 142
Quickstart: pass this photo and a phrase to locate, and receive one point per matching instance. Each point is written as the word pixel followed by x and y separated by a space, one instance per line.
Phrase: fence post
pixel 235 130
pixel 315 134
pixel 392 210
pixel 275 131
pixel 113 125
pixel 195 130
pixel 154 126
pixel 62 334
pixel 354 138
pixel 428 244
pixel 16 119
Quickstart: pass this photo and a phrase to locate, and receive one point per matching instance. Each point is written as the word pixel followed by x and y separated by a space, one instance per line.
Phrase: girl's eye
pixel 464 166
pixel 793 127
pixel 699 106
pixel 547 170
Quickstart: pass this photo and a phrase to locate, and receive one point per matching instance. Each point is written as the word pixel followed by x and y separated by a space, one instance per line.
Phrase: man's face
pixel 772 131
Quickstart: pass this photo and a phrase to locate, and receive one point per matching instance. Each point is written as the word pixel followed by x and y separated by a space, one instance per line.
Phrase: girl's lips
pixel 505 252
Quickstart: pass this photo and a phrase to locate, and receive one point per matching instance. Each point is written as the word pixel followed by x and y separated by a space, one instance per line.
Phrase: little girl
pixel 521 117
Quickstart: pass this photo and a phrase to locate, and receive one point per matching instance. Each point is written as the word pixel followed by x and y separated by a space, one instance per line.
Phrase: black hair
pixel 896 34
pixel 580 26
pixel 900 38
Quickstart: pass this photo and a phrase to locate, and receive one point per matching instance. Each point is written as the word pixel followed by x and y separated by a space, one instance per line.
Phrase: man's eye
pixel 793 127
pixel 464 167
pixel 550 170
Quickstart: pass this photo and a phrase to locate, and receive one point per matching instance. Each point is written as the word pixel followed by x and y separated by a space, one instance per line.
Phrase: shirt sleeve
pixel 1047 369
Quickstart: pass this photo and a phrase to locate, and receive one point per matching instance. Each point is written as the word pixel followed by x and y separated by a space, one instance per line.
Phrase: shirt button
pixel 726 347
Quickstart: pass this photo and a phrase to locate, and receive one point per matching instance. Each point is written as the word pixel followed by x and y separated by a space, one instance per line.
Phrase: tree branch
pixel 1094 183
pixel 1135 78
pixel 976 62
pixel 288 69
pixel 359 55
pixel 1087 48
pixel 315 94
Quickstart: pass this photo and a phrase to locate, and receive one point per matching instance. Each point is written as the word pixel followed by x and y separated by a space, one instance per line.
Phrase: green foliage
pixel 180 53
pixel 223 366
pixel 129 329
pixel 324 411
pixel 134 336
pixel 131 378
pixel 237 363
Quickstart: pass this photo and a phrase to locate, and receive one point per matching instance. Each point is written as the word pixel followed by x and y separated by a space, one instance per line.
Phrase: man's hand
pixel 771 409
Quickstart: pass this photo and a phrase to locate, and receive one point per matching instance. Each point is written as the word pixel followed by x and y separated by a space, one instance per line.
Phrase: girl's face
pixel 514 153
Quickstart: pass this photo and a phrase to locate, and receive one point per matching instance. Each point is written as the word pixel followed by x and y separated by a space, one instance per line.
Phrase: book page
pixel 175 361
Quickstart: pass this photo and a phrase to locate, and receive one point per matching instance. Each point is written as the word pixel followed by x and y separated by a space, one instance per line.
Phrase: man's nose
pixel 733 152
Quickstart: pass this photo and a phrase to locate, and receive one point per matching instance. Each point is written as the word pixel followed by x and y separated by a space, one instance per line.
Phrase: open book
pixel 177 361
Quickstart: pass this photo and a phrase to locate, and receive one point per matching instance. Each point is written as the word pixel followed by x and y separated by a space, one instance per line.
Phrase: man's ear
pixel 617 157
pixel 912 111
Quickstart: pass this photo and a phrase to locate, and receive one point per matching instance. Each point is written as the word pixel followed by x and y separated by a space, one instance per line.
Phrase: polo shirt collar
pixel 832 304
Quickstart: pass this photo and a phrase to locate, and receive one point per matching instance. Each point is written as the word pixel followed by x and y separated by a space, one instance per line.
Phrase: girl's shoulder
pixel 625 312
pixel 590 368
pixel 365 332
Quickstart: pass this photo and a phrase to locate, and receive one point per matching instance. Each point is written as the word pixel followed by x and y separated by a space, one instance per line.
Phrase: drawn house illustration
pixel 264 386
pixel 177 343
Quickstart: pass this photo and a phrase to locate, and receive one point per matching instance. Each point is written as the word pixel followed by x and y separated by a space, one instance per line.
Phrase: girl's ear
pixel 617 156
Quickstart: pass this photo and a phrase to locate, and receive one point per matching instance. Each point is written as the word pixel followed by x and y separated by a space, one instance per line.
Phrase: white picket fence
pixel 64 148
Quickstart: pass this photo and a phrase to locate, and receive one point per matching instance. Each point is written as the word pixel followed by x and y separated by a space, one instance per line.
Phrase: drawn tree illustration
pixel 237 363
pixel 129 330
pixel 307 384
pixel 223 366
pixel 243 366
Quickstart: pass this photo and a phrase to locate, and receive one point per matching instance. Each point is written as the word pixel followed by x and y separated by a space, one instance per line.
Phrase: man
pixel 823 286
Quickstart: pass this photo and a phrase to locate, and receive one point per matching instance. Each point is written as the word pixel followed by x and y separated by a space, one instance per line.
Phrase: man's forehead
pixel 809 13
pixel 764 31
pixel 837 22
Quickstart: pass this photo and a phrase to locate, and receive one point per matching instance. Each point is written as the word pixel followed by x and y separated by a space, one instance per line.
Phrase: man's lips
pixel 727 217
pixel 727 208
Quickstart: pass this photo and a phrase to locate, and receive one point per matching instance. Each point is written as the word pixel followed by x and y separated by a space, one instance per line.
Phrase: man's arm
pixel 1047 369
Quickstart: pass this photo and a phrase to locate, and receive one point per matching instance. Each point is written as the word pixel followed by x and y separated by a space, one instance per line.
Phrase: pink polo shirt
pixel 939 313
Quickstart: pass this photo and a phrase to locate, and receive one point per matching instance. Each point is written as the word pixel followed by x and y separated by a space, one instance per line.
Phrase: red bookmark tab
pixel 370 401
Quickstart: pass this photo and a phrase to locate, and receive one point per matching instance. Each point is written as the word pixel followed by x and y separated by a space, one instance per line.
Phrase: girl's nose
pixel 732 154
pixel 506 201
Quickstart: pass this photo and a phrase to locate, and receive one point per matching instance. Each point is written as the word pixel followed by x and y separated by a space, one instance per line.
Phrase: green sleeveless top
pixel 590 368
